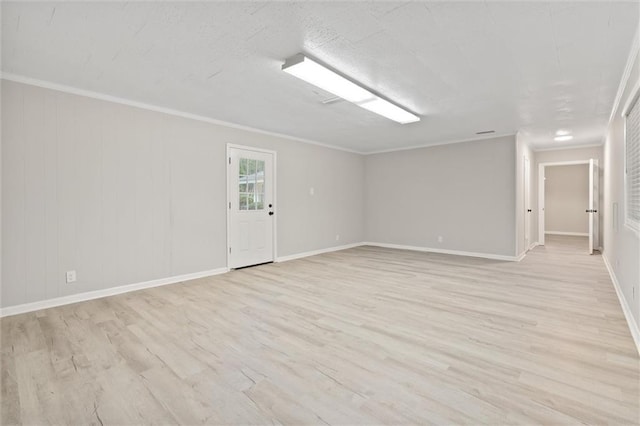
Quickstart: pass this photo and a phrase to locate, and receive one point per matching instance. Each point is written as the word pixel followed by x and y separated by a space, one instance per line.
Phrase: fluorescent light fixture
pixel 320 76
pixel 563 138
pixel 389 110
pixel 563 133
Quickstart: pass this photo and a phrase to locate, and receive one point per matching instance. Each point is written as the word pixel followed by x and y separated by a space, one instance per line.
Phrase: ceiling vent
pixel 485 132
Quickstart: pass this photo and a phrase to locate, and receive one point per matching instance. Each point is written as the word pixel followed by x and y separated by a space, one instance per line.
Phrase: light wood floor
pixel 366 335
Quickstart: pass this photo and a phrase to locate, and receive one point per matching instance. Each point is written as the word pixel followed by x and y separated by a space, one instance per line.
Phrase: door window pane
pixel 243 201
pixel 251 184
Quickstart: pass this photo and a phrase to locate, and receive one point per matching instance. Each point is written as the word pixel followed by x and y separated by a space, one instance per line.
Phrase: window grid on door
pixel 251 184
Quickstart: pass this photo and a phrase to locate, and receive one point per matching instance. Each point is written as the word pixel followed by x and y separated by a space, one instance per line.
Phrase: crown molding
pixel 449 142
pixel 150 107
pixel 566 148
pixel 633 53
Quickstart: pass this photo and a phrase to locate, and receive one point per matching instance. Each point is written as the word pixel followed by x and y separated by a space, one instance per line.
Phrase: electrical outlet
pixel 440 239
pixel 312 191
pixel 71 276
pixel 337 237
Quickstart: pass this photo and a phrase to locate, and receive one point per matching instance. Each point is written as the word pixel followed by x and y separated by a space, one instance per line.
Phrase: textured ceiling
pixel 533 67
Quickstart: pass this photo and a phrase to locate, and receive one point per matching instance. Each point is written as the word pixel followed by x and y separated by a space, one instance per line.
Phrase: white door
pixel 541 200
pixel 251 179
pixel 527 205
pixel 593 206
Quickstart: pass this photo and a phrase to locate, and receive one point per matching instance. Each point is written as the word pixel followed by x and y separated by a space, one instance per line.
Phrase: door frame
pixel 227 161
pixel 541 195
pixel 526 193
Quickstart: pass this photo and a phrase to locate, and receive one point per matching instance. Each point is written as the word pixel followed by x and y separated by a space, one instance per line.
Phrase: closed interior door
pixel 592 210
pixel 251 207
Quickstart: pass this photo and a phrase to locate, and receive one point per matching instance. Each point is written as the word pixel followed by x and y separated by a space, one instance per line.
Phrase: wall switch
pixel 440 239
pixel 337 237
pixel 71 276
pixel 312 191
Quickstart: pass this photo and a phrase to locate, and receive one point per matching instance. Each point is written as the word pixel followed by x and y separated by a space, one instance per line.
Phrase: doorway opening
pixel 568 204
pixel 251 198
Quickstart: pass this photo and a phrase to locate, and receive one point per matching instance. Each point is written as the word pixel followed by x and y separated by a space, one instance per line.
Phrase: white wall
pixel 464 192
pixel 621 243
pixel 566 199
pixel 125 195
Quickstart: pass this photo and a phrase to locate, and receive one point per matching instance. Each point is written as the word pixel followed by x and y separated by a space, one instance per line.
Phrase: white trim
pixel 250 148
pixel 634 226
pixel 446 251
pixel 97 294
pixel 633 326
pixel 275 194
pixel 449 142
pixel 526 196
pixel 570 147
pixel 541 211
pixel 164 110
pixel 541 198
pixel 631 57
pixel 150 107
pixel 633 95
pixel 316 252
pixel 570 234
pixel 533 245
pixel 564 163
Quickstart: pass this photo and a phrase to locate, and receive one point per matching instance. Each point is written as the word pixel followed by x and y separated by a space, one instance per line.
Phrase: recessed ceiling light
pixel 563 138
pixel 563 133
pixel 312 72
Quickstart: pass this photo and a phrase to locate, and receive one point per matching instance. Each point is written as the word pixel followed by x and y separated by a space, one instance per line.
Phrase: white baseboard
pixel 633 326
pixel 446 251
pixel 90 295
pixel 570 234
pixel 524 253
pixel 97 294
pixel 316 252
pixel 520 256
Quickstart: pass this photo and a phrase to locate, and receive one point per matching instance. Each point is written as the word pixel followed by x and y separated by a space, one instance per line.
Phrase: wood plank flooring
pixel 362 336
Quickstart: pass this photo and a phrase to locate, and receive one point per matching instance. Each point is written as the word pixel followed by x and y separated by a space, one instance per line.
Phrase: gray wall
pixel 124 195
pixel 464 192
pixel 621 244
pixel 566 199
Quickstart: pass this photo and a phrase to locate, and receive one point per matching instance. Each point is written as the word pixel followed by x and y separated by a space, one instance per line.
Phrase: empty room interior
pixel 320 213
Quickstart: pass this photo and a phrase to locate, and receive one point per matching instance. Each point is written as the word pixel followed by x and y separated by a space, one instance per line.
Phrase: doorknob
pixel 528 210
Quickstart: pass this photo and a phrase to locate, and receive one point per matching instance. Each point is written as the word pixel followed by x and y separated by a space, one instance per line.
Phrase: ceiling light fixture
pixel 563 138
pixel 563 133
pixel 312 72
